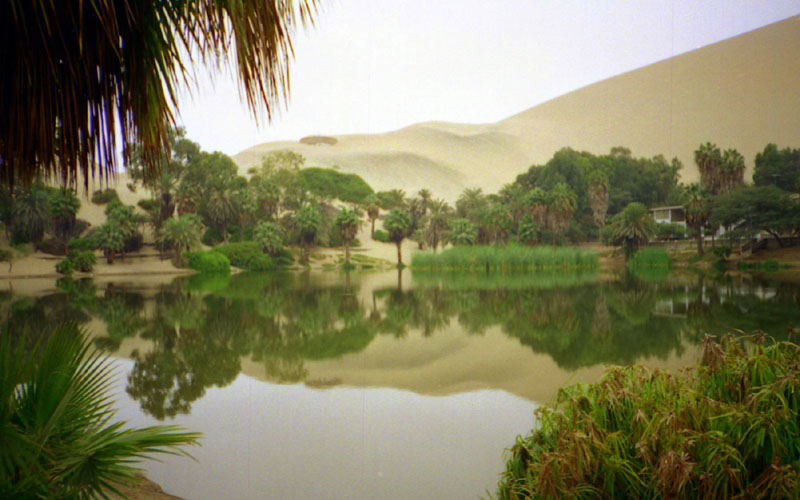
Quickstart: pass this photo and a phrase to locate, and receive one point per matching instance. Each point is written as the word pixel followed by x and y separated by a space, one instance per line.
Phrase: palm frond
pixel 81 77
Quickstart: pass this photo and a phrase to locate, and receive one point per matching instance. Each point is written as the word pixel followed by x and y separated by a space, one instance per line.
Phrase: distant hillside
pixel 742 92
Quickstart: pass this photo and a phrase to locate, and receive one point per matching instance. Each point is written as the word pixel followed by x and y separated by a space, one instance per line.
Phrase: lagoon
pixel 378 385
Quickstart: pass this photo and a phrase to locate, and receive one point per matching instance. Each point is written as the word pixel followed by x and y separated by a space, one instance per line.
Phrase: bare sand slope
pixel 741 92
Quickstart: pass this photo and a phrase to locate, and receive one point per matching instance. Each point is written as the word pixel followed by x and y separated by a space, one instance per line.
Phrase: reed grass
pixel 728 429
pixel 509 258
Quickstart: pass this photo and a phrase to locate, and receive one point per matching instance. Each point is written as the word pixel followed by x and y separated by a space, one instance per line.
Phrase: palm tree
pixel 83 71
pixel 373 211
pixel 438 220
pixel 471 201
pixel 221 210
pixel 426 196
pixel 397 223
pixel 538 201
pixel 181 234
pixel 31 213
pixel 270 236
pixel 309 223
pixel 696 207
pixel 598 197
pixel 64 206
pixel 462 232
pixel 732 171
pixel 708 158
pixel 529 231
pixel 563 203
pixel 347 222
pixel 110 239
pixel 633 227
pixel 57 426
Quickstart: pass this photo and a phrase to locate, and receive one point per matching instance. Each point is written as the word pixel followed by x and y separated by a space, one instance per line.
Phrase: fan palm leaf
pixel 56 426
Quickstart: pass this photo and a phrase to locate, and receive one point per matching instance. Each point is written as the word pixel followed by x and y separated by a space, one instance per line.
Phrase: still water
pixel 376 385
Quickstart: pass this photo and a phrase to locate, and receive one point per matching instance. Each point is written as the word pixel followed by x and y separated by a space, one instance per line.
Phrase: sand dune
pixel 741 92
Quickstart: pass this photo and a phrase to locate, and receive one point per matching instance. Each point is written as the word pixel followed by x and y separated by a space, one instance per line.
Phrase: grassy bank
pixel 731 428
pixel 509 258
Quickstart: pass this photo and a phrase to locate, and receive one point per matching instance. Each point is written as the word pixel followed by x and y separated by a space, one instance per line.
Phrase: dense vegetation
pixel 731 428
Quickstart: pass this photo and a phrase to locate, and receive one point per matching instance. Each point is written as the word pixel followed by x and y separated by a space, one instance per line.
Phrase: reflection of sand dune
pixel 740 93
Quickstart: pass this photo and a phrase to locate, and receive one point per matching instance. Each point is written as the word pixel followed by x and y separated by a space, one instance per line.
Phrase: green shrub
pixel 261 262
pixel 667 230
pixel 87 243
pixel 283 258
pixel 65 266
pixel 209 261
pixel 695 258
pixel 101 197
pixel 381 235
pixel 84 260
pixel 240 253
pixel 729 429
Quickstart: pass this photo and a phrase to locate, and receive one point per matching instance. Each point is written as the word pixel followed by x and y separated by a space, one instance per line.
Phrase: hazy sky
pixel 379 65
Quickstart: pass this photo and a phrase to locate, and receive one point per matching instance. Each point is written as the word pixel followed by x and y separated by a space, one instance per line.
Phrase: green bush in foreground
pixel 511 257
pixel 248 255
pixel 208 261
pixel 728 429
pixel 57 434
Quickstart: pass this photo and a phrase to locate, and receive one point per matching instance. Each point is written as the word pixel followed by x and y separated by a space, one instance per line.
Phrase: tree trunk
pixel 347 253
pixel 399 254
pixel 700 242
pixel 305 253
pixel 372 234
pixel 777 238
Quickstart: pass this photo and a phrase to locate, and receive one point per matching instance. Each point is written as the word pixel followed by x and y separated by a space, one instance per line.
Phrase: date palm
pixel 347 223
pixel 696 207
pixel 309 224
pixel 94 74
pixel 31 212
pixel 181 234
pixel 732 171
pixel 633 227
pixel 563 203
pixel 708 159
pixel 397 223
pixel 598 197
pixel 438 222
pixel 373 211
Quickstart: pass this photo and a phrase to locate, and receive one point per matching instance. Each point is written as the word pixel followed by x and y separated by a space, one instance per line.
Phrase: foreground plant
pixel 728 429
pixel 57 435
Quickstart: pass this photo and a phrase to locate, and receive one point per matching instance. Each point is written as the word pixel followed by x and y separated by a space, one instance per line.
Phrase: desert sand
pixel 739 93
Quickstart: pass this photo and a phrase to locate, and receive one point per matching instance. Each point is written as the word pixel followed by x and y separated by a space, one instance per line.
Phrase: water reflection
pixel 196 332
